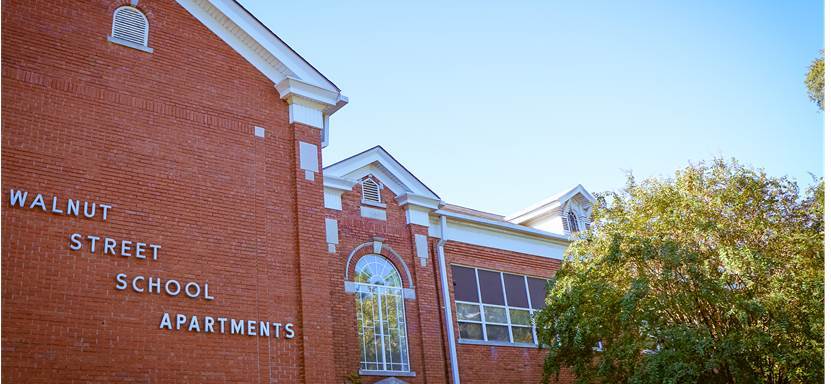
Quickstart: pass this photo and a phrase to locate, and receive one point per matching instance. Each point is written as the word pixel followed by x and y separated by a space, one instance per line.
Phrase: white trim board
pixel 484 234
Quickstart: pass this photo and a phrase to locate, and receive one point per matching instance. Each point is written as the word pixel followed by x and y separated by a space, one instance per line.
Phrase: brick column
pixel 313 260
pixel 429 311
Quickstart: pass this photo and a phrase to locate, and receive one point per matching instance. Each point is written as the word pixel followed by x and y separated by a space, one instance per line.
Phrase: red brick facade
pixel 167 140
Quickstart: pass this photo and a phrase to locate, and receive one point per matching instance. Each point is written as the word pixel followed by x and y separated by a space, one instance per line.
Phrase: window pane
pixel 515 290
pixel 464 284
pixel 536 289
pixel 498 333
pixel 491 286
pixel 380 314
pixel 520 317
pixel 522 335
pixel 495 315
pixel 470 331
pixel 468 312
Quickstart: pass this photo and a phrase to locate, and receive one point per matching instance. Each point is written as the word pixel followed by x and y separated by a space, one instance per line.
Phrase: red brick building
pixel 166 218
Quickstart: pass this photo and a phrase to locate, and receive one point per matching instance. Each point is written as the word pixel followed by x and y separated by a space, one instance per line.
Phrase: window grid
pixel 483 322
pixel 377 334
pixel 382 324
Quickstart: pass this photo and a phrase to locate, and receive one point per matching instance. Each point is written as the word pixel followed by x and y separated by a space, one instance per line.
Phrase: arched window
pixel 130 25
pixel 382 326
pixel 572 222
pixel 370 190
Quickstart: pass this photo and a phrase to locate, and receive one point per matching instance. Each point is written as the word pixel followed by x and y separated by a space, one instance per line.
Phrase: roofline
pixel 284 43
pixel 505 226
pixel 393 159
pixel 558 198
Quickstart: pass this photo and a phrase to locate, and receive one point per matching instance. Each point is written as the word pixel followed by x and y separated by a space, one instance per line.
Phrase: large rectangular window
pixel 495 306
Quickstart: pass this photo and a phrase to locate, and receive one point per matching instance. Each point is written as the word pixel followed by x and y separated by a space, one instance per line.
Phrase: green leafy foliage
pixel 815 81
pixel 715 275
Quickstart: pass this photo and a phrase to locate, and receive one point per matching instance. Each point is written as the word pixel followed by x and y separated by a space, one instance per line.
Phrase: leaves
pixel 815 81
pixel 714 275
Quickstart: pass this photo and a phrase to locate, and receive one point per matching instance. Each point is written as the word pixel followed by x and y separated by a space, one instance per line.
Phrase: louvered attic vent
pixel 370 190
pixel 130 28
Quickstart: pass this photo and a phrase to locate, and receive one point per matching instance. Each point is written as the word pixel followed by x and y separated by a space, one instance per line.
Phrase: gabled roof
pixel 550 204
pixel 265 51
pixel 379 163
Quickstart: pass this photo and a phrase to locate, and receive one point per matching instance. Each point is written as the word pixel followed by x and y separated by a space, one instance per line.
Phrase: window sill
pixel 129 44
pixel 496 343
pixel 373 203
pixel 386 373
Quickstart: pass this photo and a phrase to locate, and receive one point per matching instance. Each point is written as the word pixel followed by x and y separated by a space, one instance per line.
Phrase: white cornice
pixel 337 183
pixel 262 38
pixel 418 200
pixel 322 99
pixel 292 75
pixel 490 234
pixel 505 226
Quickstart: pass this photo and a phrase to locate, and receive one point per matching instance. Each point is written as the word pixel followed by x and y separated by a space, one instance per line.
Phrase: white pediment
pixel 377 162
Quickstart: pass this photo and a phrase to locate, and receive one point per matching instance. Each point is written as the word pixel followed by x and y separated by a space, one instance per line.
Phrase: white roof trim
pixel 379 163
pixel 264 50
pixel 505 236
pixel 549 204
pixel 505 226
pixel 337 183
pixel 421 201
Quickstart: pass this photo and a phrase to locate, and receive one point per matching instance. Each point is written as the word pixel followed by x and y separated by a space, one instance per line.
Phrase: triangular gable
pixel 379 163
pixel 550 204
pixel 290 73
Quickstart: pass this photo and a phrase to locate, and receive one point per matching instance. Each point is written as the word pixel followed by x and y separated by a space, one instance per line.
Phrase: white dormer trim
pixel 549 205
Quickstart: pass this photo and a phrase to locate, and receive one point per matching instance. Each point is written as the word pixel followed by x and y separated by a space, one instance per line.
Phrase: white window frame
pixel 483 323
pixel 577 221
pixel 377 290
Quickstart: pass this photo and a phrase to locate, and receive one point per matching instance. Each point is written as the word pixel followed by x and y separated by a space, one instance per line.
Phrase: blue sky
pixel 496 105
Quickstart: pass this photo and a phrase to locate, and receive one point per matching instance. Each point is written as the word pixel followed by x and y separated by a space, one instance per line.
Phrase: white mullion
pixel 531 311
pixel 381 328
pixel 481 307
pixel 505 308
pixel 402 331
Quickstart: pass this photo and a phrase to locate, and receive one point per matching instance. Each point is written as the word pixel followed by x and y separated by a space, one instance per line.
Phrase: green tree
pixel 815 81
pixel 715 275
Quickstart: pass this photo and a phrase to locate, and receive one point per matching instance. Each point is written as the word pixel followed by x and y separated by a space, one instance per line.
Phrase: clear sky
pixel 496 105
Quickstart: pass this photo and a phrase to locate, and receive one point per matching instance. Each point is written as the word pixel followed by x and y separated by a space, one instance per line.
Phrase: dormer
pixel 564 213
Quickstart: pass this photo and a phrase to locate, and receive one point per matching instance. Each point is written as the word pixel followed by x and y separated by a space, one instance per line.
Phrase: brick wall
pixel 167 139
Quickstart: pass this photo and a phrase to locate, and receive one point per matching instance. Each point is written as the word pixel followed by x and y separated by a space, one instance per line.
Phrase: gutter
pixel 448 314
